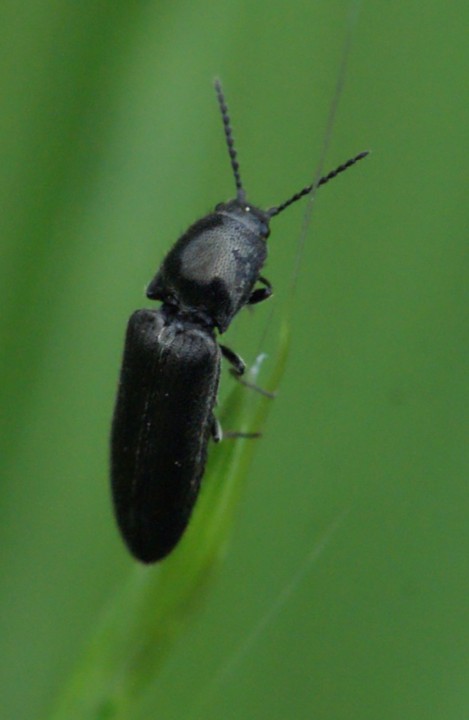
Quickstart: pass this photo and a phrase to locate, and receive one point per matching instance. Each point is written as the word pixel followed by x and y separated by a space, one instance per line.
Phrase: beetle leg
pixel 238 366
pixel 260 294
pixel 216 429
pixel 218 434
pixel 234 435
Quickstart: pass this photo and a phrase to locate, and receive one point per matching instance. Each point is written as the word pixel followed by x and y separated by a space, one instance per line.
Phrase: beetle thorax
pixel 214 266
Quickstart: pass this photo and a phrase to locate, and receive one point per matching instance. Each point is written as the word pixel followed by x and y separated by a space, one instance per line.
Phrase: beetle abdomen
pixel 162 423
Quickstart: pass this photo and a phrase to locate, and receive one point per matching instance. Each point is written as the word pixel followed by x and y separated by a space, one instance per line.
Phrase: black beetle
pixel 168 386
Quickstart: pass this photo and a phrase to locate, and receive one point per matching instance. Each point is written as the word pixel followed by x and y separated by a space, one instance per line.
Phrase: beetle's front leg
pixel 261 294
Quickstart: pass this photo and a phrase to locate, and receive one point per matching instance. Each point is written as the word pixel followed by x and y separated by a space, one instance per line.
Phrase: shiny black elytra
pixel 168 386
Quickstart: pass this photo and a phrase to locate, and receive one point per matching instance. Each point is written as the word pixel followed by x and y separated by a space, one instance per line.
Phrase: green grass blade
pixel 143 622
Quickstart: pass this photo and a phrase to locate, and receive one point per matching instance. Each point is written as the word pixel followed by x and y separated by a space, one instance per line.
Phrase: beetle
pixel 163 418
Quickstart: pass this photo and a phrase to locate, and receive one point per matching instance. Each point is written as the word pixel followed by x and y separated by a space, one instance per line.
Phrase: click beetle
pixel 163 418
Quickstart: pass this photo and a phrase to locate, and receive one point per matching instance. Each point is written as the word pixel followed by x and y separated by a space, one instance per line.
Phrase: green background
pixel 110 146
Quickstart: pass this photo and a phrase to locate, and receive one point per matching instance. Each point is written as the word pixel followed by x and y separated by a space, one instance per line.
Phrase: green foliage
pixel 111 145
pixel 144 621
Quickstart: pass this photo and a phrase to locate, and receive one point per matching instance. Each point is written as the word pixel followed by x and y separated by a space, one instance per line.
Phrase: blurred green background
pixel 111 145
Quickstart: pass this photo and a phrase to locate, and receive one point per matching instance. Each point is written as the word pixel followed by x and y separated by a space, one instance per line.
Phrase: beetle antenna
pixel 322 181
pixel 229 139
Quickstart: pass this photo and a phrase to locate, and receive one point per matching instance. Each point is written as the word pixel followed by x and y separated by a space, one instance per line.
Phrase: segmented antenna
pixel 330 176
pixel 240 193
